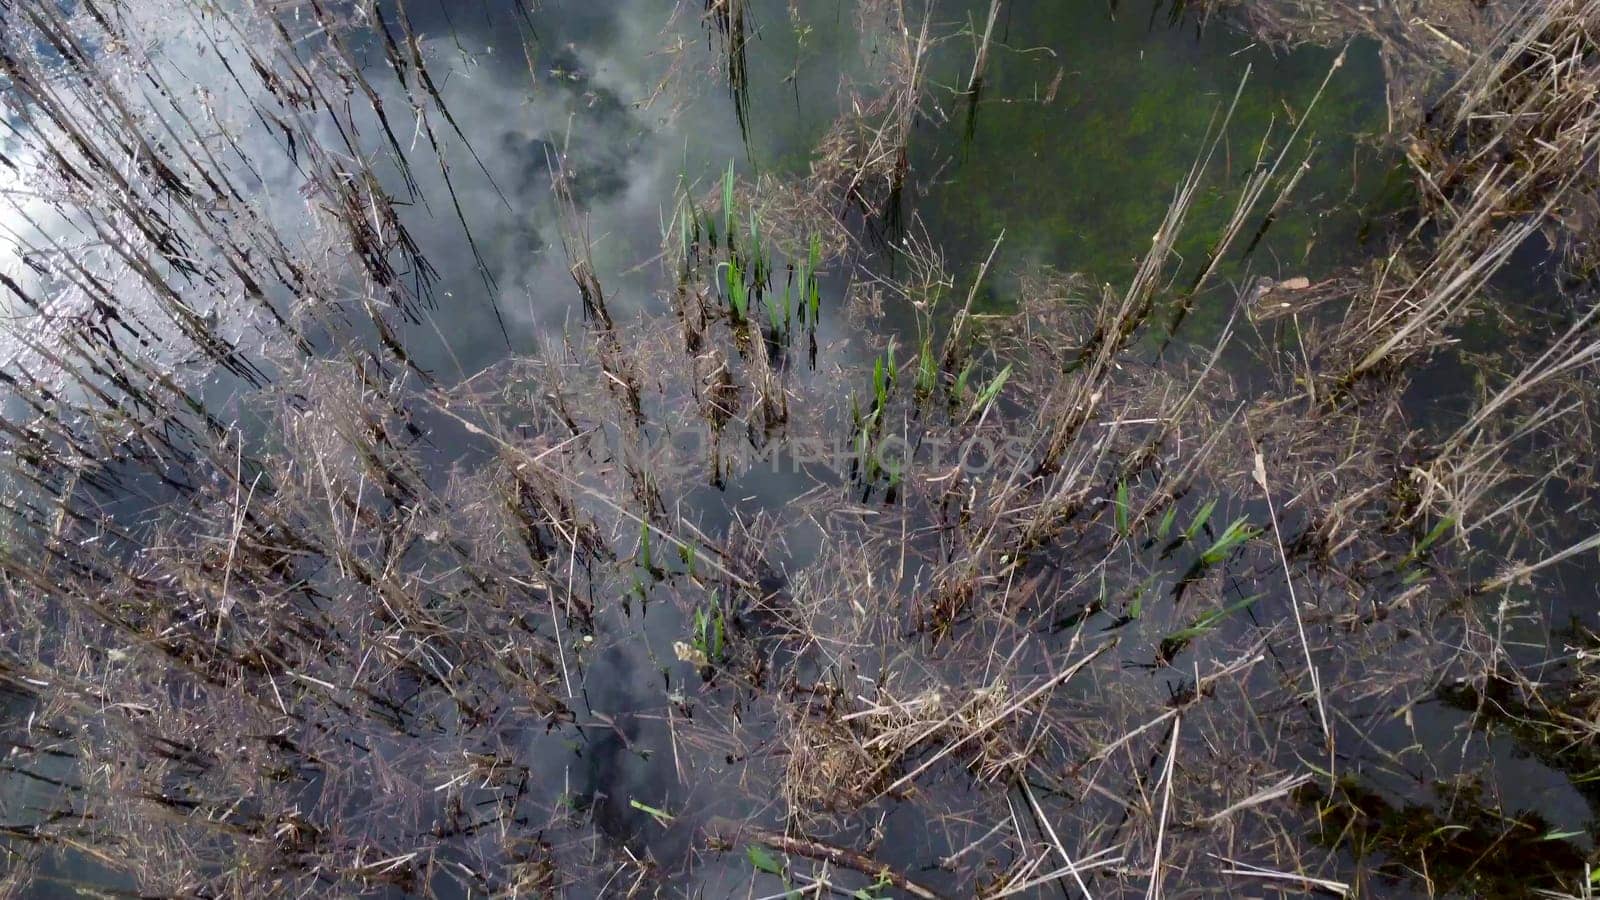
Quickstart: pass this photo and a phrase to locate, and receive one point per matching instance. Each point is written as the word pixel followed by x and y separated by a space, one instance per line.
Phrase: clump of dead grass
pixel 1057 658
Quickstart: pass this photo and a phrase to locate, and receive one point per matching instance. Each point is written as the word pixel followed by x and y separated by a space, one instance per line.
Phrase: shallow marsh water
pixel 1085 123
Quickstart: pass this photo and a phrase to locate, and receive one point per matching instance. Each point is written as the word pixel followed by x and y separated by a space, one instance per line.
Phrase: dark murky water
pixel 1086 122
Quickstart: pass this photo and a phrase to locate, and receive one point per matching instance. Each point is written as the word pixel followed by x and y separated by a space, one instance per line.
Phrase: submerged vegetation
pixel 821 564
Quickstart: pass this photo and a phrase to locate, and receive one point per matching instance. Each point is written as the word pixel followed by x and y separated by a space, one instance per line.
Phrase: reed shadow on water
pixel 888 449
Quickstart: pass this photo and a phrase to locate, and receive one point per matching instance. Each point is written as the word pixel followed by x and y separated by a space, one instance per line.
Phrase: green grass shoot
pixel 1203 624
pixel 759 267
pixel 813 265
pixel 709 636
pixel 1167 519
pixel 1199 521
pixel 927 368
pixel 762 861
pixel 662 817
pixel 738 293
pixel 1428 540
pixel 1237 533
pixel 880 383
pixel 778 310
pixel 990 392
pixel 959 391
